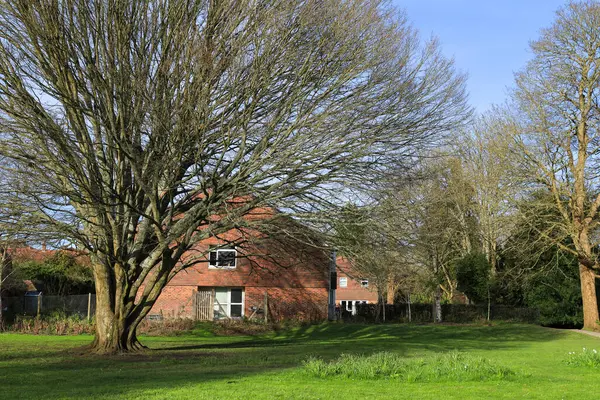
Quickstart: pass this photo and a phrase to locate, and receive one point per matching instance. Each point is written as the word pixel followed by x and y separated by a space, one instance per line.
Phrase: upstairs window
pixel 343 282
pixel 364 283
pixel 222 258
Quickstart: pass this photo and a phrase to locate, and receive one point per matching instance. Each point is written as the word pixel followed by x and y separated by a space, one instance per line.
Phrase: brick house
pixel 236 273
pixel 288 278
pixel 352 288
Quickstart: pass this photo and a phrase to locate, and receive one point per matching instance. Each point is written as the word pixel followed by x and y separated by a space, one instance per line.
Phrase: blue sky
pixel 489 39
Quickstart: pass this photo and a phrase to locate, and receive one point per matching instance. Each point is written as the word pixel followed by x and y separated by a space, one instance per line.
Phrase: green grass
pixel 449 367
pixel 586 358
pixel 503 361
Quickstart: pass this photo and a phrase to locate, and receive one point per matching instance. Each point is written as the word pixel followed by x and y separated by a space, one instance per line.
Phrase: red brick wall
pixel 175 302
pixel 354 291
pixel 301 304
pixel 296 281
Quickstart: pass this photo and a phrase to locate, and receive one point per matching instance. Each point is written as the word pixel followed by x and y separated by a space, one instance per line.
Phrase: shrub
pixel 60 274
pixel 587 358
pixel 243 327
pixel 174 327
pixel 53 324
pixel 453 366
pixel 166 327
pixel 473 275
pixel 454 313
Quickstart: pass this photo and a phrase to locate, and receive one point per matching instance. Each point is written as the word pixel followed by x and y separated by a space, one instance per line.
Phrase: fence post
pixel 39 305
pixel 89 306
pixel 266 307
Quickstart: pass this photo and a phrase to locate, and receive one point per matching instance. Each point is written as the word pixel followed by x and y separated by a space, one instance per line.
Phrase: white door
pixel 229 302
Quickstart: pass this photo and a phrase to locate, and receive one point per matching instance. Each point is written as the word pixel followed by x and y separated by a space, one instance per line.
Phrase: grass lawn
pixel 201 365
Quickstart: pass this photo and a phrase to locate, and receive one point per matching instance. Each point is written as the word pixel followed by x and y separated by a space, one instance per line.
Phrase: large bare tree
pixel 558 130
pixel 139 121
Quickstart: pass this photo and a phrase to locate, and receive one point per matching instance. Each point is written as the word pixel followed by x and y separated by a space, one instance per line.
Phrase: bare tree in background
pixel 487 156
pixel 445 225
pixel 138 121
pixel 426 222
pixel 367 238
pixel 558 132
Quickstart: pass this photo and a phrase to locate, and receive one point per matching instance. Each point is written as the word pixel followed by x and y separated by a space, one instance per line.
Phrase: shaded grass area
pixel 204 365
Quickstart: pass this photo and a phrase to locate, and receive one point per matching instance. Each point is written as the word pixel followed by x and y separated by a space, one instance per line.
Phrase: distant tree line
pixel 508 211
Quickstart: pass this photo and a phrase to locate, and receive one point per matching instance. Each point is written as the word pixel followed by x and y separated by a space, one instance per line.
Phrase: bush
pixel 60 274
pixel 54 324
pixel 557 294
pixel 473 275
pixel 166 327
pixel 179 326
pixel 454 313
pixel 243 327
pixel 453 366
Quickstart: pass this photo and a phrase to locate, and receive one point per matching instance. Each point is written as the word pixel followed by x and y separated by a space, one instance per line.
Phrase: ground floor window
pixel 228 302
pixel 350 305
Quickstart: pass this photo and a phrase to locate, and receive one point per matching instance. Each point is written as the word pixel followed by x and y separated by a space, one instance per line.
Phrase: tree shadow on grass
pixel 172 365
pixel 78 380
pixel 395 337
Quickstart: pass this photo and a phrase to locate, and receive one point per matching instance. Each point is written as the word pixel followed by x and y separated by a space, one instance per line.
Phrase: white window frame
pixel 364 283
pixel 219 250
pixel 227 306
pixel 345 282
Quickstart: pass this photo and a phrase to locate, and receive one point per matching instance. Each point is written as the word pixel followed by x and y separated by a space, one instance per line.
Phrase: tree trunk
pixel 115 326
pixel 3 264
pixel 489 308
pixel 588 295
pixel 409 311
pixel 437 306
pixel 391 291
pixel 382 306
pixel 1 316
pixel 115 333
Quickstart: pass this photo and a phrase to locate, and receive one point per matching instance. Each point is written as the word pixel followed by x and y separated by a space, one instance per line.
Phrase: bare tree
pixel 558 132
pixel 138 122
pixel 430 220
pixel 363 236
pixel 486 154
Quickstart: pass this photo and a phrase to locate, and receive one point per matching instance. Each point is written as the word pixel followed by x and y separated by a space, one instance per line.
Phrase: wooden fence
pixel 204 309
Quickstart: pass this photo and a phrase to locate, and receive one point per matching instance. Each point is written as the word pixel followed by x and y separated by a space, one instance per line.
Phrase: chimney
pixel 44 245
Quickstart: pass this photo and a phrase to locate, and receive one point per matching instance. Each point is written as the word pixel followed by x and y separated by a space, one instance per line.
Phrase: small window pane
pixel 364 283
pixel 221 295
pixel 219 312
pixel 236 310
pixel 227 258
pixel 236 295
pixel 343 282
